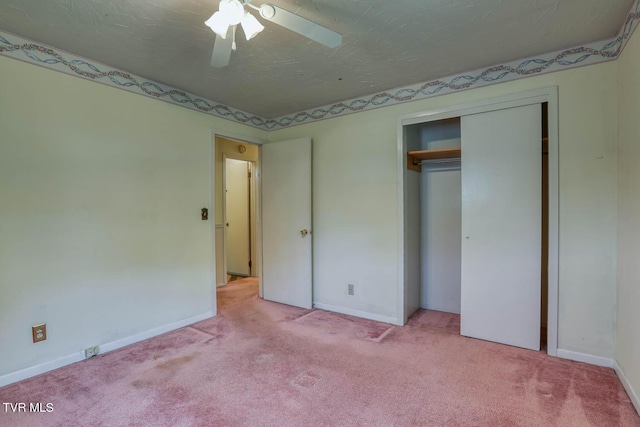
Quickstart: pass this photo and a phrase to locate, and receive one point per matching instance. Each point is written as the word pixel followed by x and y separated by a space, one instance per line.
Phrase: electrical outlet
pixel 91 351
pixel 351 289
pixel 39 332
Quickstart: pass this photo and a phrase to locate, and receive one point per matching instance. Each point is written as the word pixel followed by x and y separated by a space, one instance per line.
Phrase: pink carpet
pixel 265 364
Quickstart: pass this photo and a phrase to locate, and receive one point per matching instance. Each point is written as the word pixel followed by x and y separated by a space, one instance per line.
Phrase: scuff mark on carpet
pixel 176 363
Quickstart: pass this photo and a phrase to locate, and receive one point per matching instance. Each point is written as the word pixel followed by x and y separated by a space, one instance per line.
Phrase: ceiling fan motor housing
pixel 267 11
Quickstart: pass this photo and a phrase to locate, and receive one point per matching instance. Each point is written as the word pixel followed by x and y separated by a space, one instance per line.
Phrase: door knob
pixel 304 232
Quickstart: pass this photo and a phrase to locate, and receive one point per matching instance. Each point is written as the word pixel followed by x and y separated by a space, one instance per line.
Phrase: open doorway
pixel 237 220
pixel 281 232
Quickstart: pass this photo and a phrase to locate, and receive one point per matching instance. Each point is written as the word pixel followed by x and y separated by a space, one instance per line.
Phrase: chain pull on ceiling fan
pixel 232 12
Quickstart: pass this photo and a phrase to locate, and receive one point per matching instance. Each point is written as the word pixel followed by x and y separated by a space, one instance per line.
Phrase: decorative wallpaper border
pixel 36 53
pixel 39 54
pixel 593 53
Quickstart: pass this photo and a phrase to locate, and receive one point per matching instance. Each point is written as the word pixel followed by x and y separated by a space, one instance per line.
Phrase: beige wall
pixel 355 202
pixel 628 320
pixel 100 198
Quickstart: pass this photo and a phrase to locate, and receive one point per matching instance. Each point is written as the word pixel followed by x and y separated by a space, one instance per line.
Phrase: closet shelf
pixel 415 157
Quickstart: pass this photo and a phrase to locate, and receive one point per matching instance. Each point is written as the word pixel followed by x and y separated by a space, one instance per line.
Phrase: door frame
pixel 542 95
pixel 256 183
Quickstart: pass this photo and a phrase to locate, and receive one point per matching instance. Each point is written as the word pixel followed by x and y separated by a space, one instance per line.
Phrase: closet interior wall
pixel 544 292
pixel 437 191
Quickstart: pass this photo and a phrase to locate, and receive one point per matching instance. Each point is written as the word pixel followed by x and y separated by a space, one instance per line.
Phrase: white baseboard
pixel 628 387
pixel 357 313
pixel 114 345
pixel 586 358
pixel 32 371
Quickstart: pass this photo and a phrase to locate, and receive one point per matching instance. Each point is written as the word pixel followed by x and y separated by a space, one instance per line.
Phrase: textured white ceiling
pixel 386 44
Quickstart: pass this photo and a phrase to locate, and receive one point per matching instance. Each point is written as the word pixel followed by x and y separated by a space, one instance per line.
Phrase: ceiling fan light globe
pixel 232 10
pixel 218 24
pixel 251 26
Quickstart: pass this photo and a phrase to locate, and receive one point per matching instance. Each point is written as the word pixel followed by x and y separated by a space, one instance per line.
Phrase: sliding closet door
pixel 501 226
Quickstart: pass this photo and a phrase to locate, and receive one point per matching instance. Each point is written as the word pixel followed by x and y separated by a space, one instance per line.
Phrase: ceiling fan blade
pixel 222 49
pixel 300 25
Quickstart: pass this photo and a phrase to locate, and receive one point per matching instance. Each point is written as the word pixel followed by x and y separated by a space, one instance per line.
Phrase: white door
pixel 501 226
pixel 286 222
pixel 237 217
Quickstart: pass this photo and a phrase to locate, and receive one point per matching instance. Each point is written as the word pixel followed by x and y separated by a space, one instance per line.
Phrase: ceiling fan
pixel 232 12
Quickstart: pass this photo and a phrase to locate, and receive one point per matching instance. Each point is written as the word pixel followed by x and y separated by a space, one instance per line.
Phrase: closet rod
pixel 438 161
pixel 430 166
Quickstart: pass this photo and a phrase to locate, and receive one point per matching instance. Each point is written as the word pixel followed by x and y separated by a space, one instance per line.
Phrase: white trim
pixel 546 94
pixel 482 106
pixel 258 220
pixel 212 219
pixel 253 268
pixel 586 358
pixel 224 217
pixel 114 345
pixel 237 136
pixel 633 396
pixel 401 159
pixel 32 371
pixel 357 313
pixel 553 225
pixel 224 277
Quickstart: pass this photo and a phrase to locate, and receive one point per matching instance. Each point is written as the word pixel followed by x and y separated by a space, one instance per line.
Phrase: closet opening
pixel 440 195
pixel 476 221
